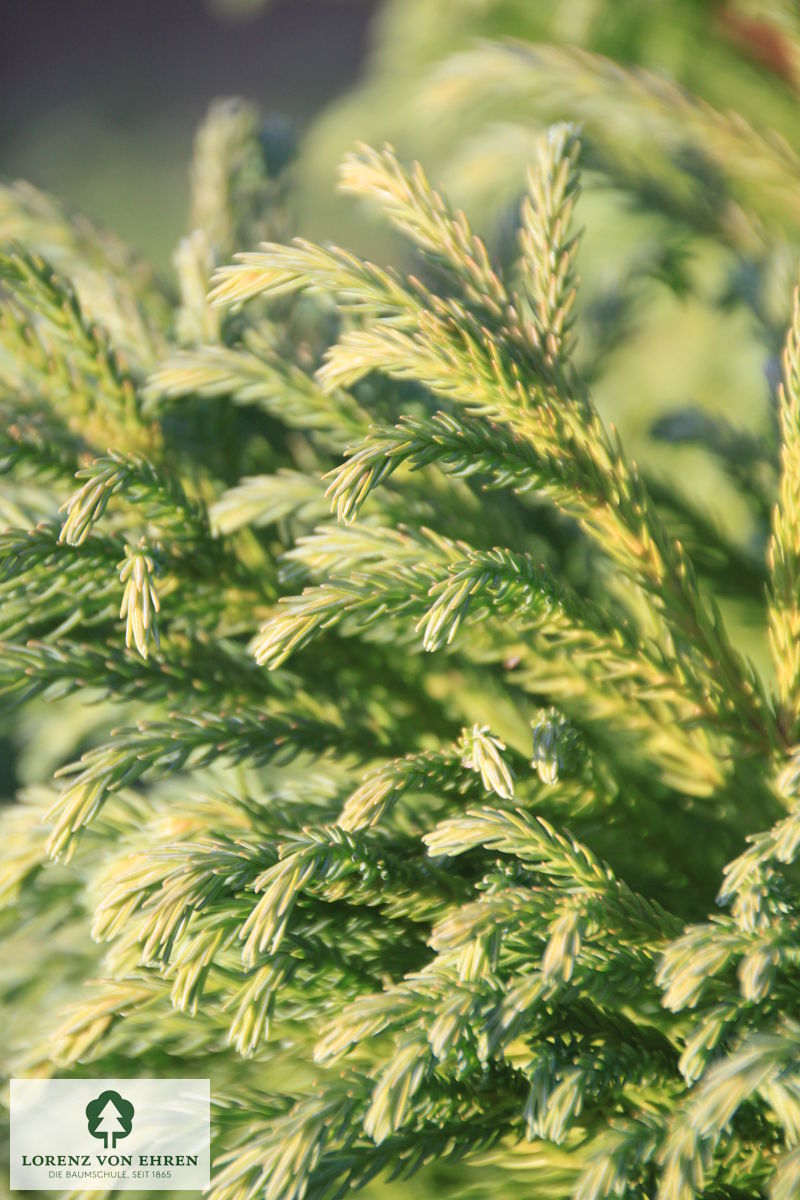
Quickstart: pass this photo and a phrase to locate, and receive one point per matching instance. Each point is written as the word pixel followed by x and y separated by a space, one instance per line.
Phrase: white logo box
pixel 147 1135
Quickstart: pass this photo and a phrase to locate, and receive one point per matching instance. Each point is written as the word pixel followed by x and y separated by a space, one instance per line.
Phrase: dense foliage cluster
pixel 442 820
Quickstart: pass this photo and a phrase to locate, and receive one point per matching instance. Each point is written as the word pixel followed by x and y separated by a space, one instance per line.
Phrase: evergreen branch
pixel 22 834
pixel 452 997
pixel 515 833
pixel 482 753
pixel 49 585
pixel 547 247
pixel 266 499
pixel 90 1021
pixel 228 175
pixel 275 270
pixel 387 577
pixel 191 670
pixel 35 441
pixel 335 863
pixel 554 744
pixel 763 1061
pixel 748 879
pixel 786 1180
pixel 711 168
pixel 279 1168
pixel 113 284
pixel 461 446
pixel 55 306
pixel 235 202
pixel 161 497
pixel 196 322
pixel 697 956
pixel 511 584
pixel 140 601
pixel 446 353
pixel 784 547
pixel 79 581
pixel 316 1150
pixel 443 770
pixel 556 856
pixel 424 215
pixel 582 469
pixel 169 746
pixel 78 587
pixel 249 377
pixel 372 577
pixel 23 551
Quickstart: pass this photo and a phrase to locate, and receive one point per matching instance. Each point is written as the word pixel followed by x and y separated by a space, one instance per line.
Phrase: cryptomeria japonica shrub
pixel 424 799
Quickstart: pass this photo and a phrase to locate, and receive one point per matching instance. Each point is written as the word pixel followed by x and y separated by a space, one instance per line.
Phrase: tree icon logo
pixel 109 1117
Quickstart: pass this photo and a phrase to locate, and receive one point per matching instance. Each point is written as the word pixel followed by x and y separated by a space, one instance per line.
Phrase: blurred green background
pixel 99 101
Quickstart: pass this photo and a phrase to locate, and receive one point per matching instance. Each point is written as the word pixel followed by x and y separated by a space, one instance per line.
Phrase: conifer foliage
pixel 443 821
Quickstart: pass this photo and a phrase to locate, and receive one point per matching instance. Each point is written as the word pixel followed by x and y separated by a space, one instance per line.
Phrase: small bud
pixel 482 753
pixel 140 601
pixel 554 741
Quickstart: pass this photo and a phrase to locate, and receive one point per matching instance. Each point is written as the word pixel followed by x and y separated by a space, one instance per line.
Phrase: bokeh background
pixel 99 101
